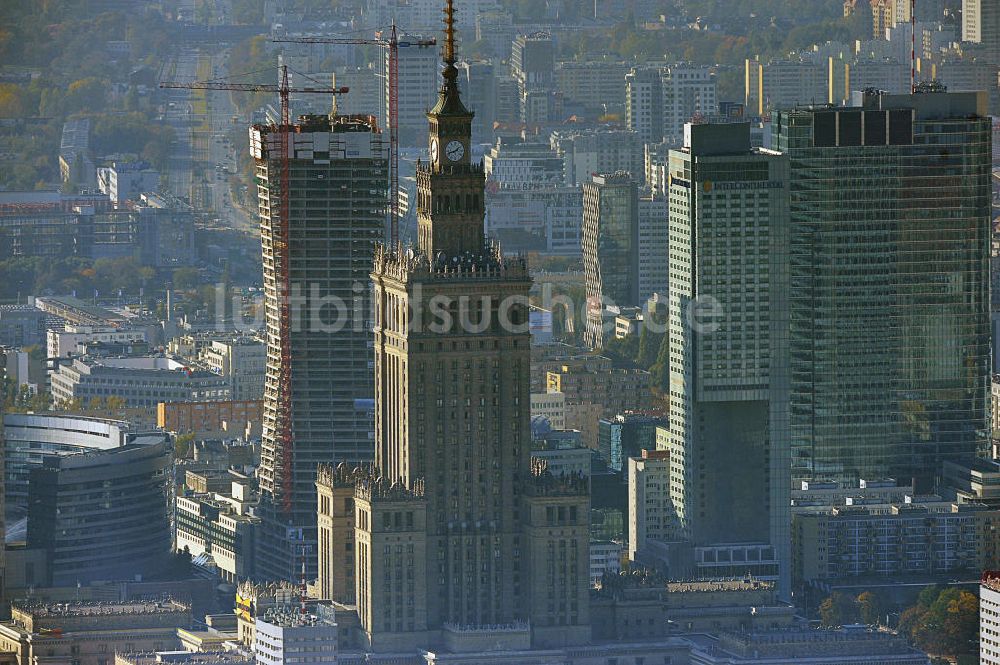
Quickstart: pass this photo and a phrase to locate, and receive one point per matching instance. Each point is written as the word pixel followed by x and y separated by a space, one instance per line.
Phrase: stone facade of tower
pixel 335 522
pixel 459 545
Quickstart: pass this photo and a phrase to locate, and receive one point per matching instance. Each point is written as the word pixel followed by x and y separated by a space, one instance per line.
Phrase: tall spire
pixel 449 33
pixel 449 100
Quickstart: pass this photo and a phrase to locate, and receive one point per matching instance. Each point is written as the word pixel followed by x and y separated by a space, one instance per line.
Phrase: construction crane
pixel 392 44
pixel 284 129
pixel 281 88
pixel 913 46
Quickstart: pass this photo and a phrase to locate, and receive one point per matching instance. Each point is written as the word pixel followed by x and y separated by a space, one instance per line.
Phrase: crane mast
pixel 391 45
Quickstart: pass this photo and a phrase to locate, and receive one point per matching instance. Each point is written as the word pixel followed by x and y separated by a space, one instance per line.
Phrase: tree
pixel 944 621
pixel 838 609
pixel 115 403
pixel 870 607
pixel 660 370
pixel 41 401
pixel 908 621
pixel 961 623
pixel 86 94
pixel 928 596
pixel 622 350
pixel 74 405
pixel 185 278
pixel 182 445
pixel 12 101
pixel 650 339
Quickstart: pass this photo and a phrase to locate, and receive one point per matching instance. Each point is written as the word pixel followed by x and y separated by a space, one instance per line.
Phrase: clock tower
pixel 449 185
pixel 460 543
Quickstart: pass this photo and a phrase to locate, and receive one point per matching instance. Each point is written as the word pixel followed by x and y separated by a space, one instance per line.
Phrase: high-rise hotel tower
pixel 458 541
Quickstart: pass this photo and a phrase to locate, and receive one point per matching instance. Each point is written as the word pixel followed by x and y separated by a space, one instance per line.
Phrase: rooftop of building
pixel 544 483
pixel 991 580
pixel 930 101
pixel 638 417
pixel 976 466
pixel 293 617
pixel 199 657
pixel 75 135
pixel 811 486
pixel 709 586
pixel 804 643
pixel 930 505
pixel 22 203
pixel 145 364
pixel 138 448
pixel 614 178
pixel 54 418
pixel 93 314
pixel 91 609
pixel 341 475
pixel 20 308
pixel 325 123
pixel 412 263
pixel 569 439
pixel 132 165
pixel 160 200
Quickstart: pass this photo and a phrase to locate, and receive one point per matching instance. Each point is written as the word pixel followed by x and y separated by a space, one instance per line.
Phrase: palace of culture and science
pixel 454 541
pixel 455 547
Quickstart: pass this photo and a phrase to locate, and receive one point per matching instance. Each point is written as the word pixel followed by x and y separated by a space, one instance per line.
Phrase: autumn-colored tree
pixel 12 101
pixel 115 403
pixel 86 94
pixel 182 445
pixel 961 623
pixel 870 607
pixel 944 621
pixel 838 609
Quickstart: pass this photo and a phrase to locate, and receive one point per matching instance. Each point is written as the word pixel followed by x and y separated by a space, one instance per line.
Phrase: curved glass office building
pixel 102 515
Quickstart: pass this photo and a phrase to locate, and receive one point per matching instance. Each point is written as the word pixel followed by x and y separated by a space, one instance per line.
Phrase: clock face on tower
pixel 454 150
pixel 434 150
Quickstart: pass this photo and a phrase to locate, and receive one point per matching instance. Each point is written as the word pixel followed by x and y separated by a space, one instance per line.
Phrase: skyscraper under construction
pixel 318 396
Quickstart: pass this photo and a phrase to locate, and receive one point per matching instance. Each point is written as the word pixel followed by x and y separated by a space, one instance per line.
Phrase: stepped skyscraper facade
pixel 459 542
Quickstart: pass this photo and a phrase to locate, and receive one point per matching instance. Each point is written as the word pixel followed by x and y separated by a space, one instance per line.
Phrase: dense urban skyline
pixel 486 332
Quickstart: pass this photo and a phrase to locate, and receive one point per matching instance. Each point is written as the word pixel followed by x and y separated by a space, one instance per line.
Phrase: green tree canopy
pixel 870 606
pixel 944 621
pixel 839 609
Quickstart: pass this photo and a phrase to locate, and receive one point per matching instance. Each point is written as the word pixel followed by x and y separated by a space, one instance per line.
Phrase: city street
pixel 203 156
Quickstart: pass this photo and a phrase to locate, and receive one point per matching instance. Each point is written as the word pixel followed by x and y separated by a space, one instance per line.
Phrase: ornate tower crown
pixel 450 197
pixel 449 101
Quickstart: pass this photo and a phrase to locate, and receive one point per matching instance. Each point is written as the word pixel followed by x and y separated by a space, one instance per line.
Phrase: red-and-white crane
pixel 392 44
pixel 284 129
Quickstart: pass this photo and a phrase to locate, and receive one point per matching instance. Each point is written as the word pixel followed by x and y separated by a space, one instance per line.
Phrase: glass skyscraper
pixel 610 247
pixel 889 334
